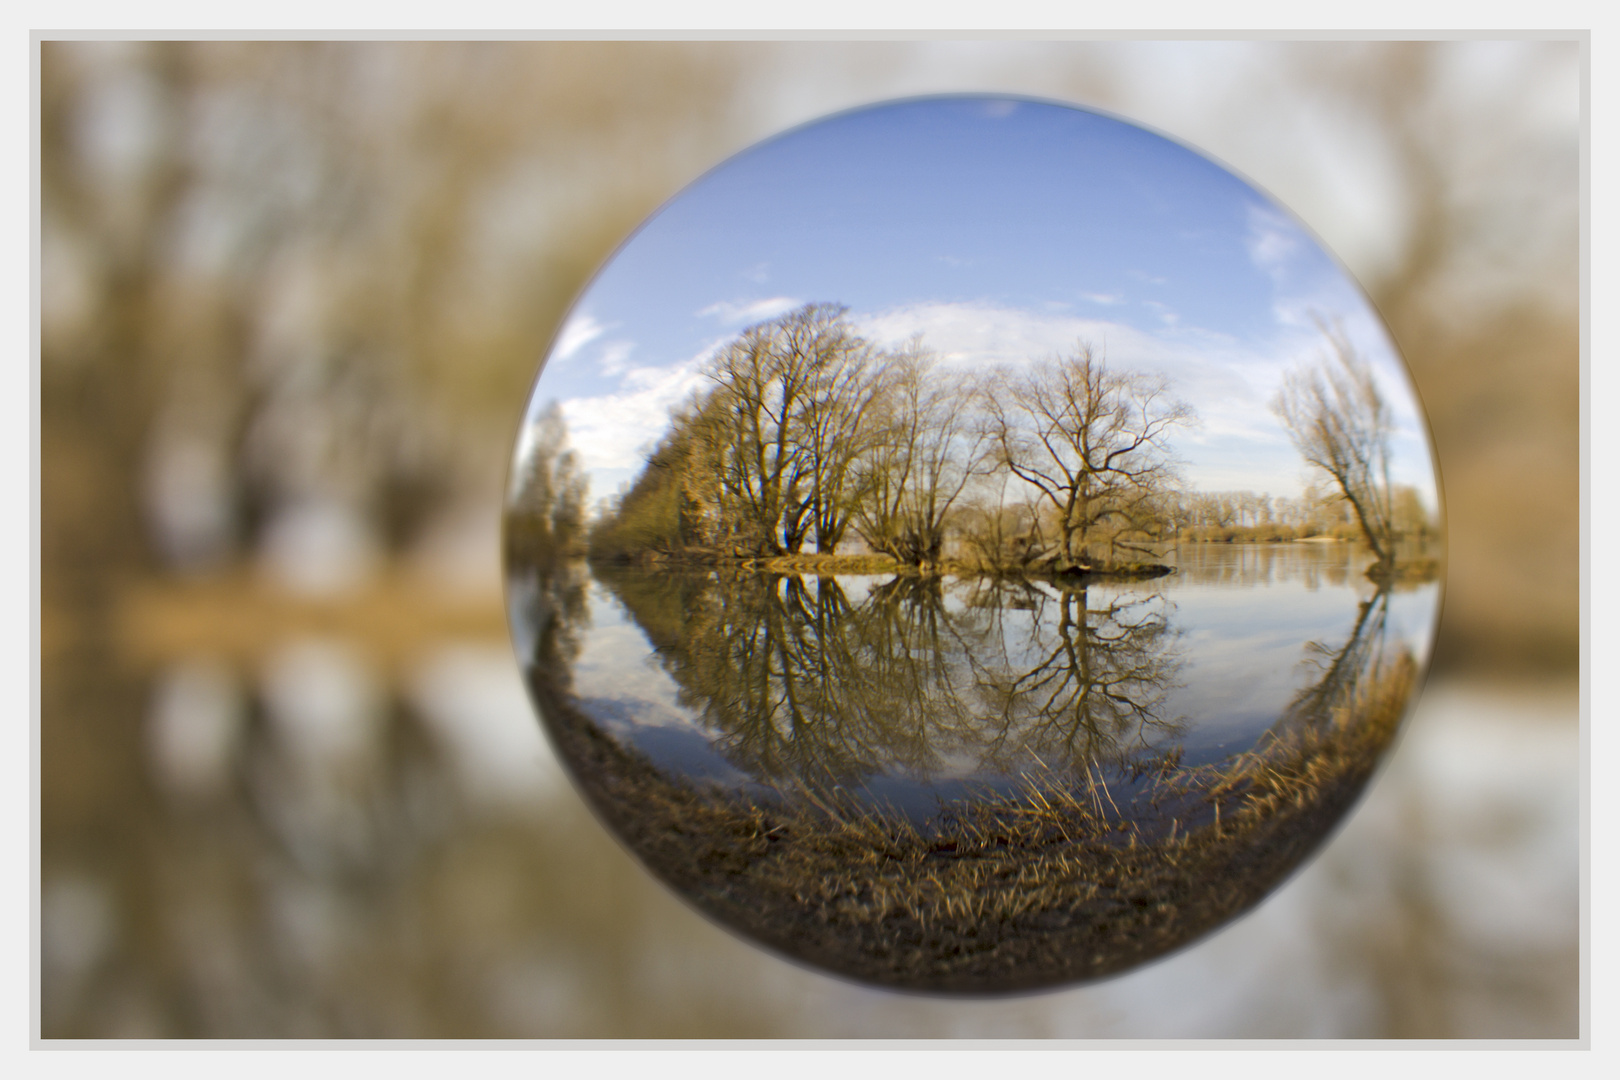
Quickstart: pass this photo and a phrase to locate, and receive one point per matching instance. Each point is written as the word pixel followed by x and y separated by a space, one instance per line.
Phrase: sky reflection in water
pixel 1235 652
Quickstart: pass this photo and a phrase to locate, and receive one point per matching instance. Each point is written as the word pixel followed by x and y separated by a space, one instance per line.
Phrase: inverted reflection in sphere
pixel 972 544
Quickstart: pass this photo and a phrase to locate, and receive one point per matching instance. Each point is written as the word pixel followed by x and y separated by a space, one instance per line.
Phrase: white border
pixel 830 20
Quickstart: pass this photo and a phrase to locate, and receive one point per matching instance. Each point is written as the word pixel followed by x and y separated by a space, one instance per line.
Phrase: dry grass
pixel 1051 884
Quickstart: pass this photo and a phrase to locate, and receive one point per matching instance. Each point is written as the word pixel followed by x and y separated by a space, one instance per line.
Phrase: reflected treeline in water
pixel 547 611
pixel 1065 840
pixel 798 684
pixel 1333 695
pixel 801 686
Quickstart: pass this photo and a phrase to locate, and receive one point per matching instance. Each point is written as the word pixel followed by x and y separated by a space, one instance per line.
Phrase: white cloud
pixel 615 356
pixel 1106 299
pixel 736 312
pixel 982 335
pixel 1230 386
pixel 580 330
pixel 1164 312
pixel 611 431
pixel 1273 241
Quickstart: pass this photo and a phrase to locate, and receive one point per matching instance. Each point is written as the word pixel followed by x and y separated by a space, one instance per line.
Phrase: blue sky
pixel 1000 229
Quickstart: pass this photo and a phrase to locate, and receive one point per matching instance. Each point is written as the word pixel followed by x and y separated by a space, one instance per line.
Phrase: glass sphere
pixel 972 544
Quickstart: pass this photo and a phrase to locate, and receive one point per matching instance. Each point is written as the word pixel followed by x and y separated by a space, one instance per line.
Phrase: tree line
pixel 800 679
pixel 546 512
pixel 1247 516
pixel 809 434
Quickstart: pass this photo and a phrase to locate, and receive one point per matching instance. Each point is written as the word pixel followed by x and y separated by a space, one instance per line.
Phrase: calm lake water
pixel 912 693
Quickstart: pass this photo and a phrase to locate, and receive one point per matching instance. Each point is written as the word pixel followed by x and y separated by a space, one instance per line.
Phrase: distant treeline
pixel 810 438
pixel 1247 517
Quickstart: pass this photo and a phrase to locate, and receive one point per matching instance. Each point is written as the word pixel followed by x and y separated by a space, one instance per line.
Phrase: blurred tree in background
pixel 292 299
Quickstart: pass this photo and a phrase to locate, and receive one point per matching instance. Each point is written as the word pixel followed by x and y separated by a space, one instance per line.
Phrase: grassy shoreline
pixel 1046 886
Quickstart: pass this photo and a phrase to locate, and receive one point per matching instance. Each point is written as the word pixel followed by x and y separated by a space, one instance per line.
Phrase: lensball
pixel 972 544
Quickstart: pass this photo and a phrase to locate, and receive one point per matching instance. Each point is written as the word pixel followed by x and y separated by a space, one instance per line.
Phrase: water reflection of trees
pixel 1347 671
pixel 548 610
pixel 800 682
pixel 1097 689
pixel 1318 754
pixel 1047 881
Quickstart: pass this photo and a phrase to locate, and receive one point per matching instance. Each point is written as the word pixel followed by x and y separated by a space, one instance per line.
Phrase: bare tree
pixel 919 465
pixel 1093 443
pixel 763 468
pixel 1341 425
pixel 849 383
pixel 784 419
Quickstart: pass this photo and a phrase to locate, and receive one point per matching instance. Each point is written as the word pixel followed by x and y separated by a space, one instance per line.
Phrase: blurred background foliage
pixel 293 296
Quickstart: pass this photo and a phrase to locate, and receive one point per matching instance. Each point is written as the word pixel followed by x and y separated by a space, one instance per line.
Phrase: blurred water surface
pixel 292 296
pixel 467 893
